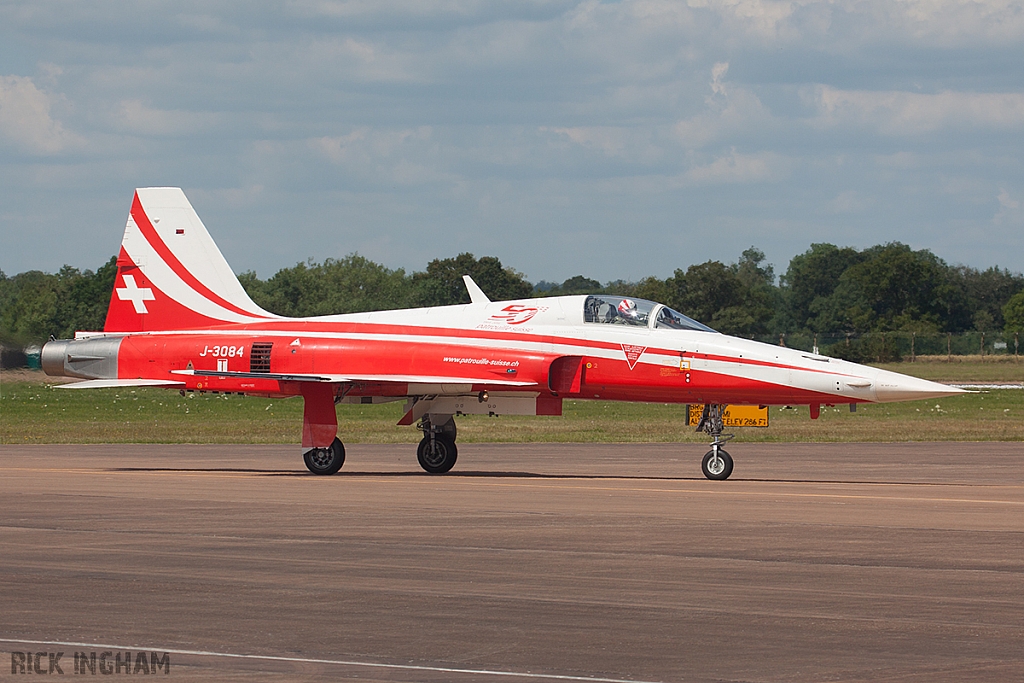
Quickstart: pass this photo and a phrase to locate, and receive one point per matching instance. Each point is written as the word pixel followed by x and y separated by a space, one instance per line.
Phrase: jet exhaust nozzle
pixel 92 358
pixel 52 356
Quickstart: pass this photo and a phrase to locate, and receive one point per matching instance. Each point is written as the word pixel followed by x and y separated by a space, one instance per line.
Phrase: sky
pixel 615 140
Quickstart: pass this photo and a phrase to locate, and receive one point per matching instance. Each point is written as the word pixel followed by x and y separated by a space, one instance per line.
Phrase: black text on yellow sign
pixel 733 416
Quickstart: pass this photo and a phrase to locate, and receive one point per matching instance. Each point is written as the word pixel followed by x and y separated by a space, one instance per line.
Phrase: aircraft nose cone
pixel 892 386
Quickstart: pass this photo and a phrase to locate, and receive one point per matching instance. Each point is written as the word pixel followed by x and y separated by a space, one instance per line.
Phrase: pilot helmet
pixel 627 309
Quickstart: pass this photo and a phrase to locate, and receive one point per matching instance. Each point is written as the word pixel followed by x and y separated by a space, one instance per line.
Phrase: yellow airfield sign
pixel 732 416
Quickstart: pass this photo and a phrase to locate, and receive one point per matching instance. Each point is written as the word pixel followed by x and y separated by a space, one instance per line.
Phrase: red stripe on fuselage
pixel 302 326
pixel 155 356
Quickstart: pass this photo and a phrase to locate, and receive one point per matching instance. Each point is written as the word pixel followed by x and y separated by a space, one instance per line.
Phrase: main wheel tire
pixel 437 456
pixel 325 461
pixel 717 465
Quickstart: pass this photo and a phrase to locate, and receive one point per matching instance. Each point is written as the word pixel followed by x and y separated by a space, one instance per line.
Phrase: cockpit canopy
pixel 621 310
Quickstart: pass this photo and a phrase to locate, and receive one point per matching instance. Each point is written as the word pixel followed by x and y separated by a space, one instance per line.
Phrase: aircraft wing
pixel 439 379
pixel 283 377
pixel 347 378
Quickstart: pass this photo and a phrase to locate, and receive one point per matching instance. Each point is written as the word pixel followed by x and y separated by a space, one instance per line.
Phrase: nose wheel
pixel 717 464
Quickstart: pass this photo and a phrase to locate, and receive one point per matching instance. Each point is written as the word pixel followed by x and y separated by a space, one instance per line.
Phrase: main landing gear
pixel 322 450
pixel 324 454
pixel 325 460
pixel 717 464
pixel 437 451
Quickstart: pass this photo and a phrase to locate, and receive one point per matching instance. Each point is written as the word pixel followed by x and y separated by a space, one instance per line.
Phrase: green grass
pixel 33 411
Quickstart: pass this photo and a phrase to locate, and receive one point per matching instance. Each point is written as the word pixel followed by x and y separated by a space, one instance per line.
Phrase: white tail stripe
pixel 167 281
pixel 175 223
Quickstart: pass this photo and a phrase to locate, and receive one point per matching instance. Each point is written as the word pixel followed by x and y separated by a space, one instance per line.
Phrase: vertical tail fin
pixel 170 274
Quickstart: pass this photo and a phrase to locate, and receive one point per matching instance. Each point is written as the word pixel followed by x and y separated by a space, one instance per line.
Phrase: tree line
pixel 825 290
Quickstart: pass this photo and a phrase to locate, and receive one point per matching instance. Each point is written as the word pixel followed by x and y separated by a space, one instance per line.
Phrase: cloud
pixel 899 160
pixel 765 18
pixel 1006 201
pixel 844 24
pixel 740 168
pixel 25 118
pixel 363 60
pixel 604 138
pixel 954 21
pixel 908 113
pixel 456 123
pixel 385 156
pixel 1009 210
pixel 136 117
pixel 341 148
pixel 717 72
pixel 729 111
pixel 849 201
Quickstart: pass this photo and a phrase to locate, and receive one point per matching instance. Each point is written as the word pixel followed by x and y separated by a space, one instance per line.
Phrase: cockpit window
pixel 674 320
pixel 620 310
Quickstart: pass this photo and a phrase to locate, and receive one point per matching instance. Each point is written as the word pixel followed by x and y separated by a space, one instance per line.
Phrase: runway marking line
pixel 766 494
pixel 337 662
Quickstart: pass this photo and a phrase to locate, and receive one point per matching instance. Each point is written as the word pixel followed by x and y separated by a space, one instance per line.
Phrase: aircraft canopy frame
pixel 610 309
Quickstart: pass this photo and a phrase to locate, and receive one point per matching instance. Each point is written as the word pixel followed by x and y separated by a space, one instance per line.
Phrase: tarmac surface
pixel 540 562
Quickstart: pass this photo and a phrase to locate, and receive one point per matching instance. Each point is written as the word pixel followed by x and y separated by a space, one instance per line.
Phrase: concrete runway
pixel 845 562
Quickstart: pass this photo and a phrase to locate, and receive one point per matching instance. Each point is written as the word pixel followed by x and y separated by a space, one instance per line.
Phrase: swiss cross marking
pixel 137 295
pixel 633 353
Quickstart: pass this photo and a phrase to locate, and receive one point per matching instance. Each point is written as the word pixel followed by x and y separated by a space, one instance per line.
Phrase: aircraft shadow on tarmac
pixel 515 475
pixel 424 475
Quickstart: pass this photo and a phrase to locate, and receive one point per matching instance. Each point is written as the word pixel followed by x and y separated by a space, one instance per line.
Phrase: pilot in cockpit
pixel 627 309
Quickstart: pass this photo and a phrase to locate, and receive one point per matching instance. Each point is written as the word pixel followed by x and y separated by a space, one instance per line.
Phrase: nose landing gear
pixel 717 463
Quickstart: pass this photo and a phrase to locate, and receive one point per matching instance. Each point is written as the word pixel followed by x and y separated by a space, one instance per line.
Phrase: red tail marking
pixel 137 305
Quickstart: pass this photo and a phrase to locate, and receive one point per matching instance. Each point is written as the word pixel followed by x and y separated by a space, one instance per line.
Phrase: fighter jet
pixel 180 319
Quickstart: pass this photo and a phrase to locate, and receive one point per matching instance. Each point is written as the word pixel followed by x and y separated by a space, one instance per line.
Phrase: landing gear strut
pixel 320 427
pixel 717 464
pixel 437 451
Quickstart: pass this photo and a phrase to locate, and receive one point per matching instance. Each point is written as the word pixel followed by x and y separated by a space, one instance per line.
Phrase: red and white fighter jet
pixel 179 318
